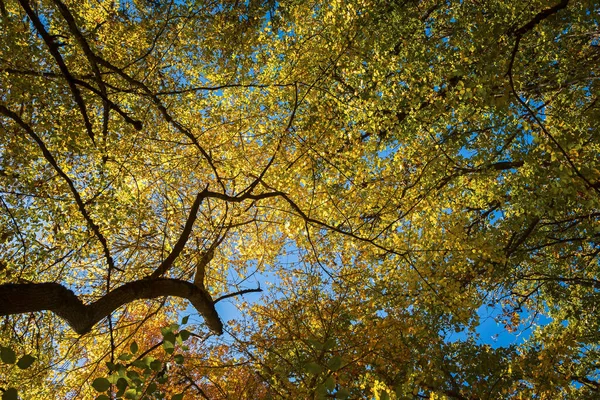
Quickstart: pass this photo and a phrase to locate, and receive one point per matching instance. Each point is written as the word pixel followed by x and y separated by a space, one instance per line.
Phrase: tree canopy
pixel 362 179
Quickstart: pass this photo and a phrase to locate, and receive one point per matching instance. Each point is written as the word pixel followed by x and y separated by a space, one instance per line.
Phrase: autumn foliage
pixel 299 199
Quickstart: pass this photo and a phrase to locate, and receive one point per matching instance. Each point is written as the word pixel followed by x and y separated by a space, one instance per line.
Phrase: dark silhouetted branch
pixel 183 238
pixel 53 48
pixel 52 161
pixel 238 293
pixel 33 297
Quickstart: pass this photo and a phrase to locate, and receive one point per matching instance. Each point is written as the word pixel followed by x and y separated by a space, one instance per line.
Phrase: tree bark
pixel 32 297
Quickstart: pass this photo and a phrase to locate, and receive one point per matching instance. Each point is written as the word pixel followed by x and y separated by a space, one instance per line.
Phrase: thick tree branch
pixel 542 15
pixel 33 297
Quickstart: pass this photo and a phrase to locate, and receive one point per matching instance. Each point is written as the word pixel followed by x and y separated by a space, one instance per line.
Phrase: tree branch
pixel 53 48
pixel 163 110
pixel 238 293
pixel 542 15
pixel 519 33
pixel 91 59
pixel 33 297
pixel 52 161
pixel 46 74
pixel 180 245
pixel 206 258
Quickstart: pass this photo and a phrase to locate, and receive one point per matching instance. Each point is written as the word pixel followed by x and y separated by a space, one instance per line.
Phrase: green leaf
pixel 156 365
pixel 131 394
pixel 101 384
pixel 10 394
pixel 25 361
pixel 179 359
pixel 140 364
pixel 315 343
pixel 122 384
pixel 184 334
pixel 165 330
pixel 342 394
pixel 185 319
pixel 329 343
pixel 329 383
pixel 125 357
pixel 313 367
pixel 8 355
pixel 103 397
pixel 151 388
pixel 133 348
pixel 169 347
pixel 178 396
pixel 169 337
pixel 133 375
pixel 334 363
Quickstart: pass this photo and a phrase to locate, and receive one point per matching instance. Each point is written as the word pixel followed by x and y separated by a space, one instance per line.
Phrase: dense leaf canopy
pixel 386 172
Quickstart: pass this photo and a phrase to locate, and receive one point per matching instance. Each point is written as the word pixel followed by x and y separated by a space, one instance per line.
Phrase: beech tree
pixel 381 171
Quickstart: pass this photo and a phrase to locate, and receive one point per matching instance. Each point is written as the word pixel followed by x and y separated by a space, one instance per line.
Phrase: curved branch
pixel 183 238
pixel 542 15
pixel 78 200
pixel 32 297
pixel 238 293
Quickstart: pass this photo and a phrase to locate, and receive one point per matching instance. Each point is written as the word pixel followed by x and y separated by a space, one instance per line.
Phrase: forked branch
pixel 33 297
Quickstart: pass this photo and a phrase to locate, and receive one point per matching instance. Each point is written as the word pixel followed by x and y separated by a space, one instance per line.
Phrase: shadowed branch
pixel 33 297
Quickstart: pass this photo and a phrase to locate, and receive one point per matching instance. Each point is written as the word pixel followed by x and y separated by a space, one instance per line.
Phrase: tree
pixel 393 166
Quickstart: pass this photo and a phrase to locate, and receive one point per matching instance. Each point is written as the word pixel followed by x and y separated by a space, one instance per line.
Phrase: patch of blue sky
pixel 228 309
pixel 264 278
pixel 492 331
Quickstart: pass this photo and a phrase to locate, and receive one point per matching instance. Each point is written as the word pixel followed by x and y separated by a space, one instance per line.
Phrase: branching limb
pixel 52 161
pixel 91 59
pixel 183 238
pixel 238 293
pixel 519 33
pixel 53 48
pixel 46 74
pixel 206 258
pixel 165 113
pixel 33 297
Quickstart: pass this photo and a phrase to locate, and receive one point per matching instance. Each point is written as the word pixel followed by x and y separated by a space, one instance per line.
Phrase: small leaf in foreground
pixel 101 384
pixel 25 361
